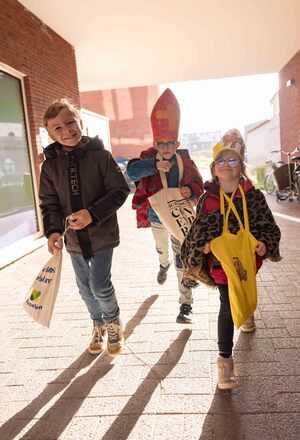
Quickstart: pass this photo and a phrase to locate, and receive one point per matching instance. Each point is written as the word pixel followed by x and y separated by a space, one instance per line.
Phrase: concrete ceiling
pixel 141 42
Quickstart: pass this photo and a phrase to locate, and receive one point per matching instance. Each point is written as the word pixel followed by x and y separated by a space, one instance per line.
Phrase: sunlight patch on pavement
pixel 287 217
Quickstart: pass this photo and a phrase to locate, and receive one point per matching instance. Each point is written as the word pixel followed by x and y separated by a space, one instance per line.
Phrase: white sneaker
pixel 226 377
pixel 249 325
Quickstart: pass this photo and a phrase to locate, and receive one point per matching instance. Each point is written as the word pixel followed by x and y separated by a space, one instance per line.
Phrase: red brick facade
pixel 48 61
pixel 129 112
pixel 289 100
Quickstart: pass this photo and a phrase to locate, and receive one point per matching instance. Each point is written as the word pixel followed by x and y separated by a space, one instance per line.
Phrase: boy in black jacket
pixel 82 184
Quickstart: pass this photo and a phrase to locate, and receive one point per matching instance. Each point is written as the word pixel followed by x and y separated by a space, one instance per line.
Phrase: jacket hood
pixel 53 150
pixel 213 188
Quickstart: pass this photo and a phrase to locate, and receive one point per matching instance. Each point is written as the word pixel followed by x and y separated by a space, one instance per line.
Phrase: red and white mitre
pixel 165 118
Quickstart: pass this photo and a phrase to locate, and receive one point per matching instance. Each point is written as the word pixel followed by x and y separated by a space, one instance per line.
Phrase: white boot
pixel 226 377
pixel 249 325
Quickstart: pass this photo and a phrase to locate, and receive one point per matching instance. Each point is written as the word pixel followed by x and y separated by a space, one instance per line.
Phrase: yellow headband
pixel 219 148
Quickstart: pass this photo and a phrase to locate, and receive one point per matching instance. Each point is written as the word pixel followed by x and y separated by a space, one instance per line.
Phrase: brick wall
pixel 129 111
pixel 289 100
pixel 48 62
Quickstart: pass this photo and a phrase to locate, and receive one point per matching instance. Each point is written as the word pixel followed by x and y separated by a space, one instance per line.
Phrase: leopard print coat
pixel 208 225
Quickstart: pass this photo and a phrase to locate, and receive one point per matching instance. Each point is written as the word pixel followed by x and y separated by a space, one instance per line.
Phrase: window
pixel 18 214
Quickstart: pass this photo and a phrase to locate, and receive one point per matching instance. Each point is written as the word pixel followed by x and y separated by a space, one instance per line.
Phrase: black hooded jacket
pixel 84 178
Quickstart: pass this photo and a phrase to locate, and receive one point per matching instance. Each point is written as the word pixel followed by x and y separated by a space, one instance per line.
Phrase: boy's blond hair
pixel 56 106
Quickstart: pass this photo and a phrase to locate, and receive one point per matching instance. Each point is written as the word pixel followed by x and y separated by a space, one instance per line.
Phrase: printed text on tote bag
pixel 36 294
pixel 182 212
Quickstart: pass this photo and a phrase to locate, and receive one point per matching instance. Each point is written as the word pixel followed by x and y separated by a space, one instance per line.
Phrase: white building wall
pixel 264 138
pixel 261 141
pixel 257 141
pixel 96 125
pixel 274 139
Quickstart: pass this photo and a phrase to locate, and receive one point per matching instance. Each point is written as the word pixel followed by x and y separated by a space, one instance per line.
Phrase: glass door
pixel 18 214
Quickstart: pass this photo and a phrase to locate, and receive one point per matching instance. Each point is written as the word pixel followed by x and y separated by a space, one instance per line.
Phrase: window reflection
pixel 17 206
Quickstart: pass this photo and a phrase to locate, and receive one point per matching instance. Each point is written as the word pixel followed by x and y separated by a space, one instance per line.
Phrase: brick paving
pixel 164 384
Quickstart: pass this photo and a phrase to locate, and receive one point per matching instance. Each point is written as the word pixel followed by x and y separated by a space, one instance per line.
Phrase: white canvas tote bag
pixel 40 299
pixel 175 212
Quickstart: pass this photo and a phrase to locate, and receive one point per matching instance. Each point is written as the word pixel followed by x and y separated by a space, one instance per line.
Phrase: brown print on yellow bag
pixel 242 273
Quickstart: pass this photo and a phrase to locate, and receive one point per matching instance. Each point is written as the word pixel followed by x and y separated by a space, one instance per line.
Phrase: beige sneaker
pixel 226 377
pixel 97 343
pixel 249 325
pixel 115 338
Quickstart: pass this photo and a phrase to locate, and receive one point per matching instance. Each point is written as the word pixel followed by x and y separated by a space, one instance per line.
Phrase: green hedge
pixel 260 173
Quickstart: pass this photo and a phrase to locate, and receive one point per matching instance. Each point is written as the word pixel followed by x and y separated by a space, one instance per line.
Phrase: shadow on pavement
pixel 223 420
pixel 128 417
pixel 264 404
pixel 55 420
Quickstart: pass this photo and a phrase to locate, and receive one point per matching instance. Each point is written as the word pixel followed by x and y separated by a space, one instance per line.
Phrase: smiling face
pixel 228 167
pixel 65 128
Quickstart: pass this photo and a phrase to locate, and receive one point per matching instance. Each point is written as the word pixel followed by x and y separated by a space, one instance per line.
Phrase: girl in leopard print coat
pixel 208 225
pixel 200 265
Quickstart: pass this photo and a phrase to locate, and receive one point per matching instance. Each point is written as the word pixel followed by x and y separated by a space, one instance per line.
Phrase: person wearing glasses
pixel 144 171
pixel 229 184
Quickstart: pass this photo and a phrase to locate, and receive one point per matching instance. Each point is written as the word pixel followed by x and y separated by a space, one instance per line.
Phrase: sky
pixel 221 104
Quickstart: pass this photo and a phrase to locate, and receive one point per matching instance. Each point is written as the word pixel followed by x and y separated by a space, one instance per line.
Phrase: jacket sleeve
pixel 264 227
pixel 139 168
pixel 196 184
pixel 116 189
pixel 53 219
pixel 192 178
pixel 195 263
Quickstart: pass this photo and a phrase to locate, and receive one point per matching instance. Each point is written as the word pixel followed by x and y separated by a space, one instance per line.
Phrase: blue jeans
pixel 93 277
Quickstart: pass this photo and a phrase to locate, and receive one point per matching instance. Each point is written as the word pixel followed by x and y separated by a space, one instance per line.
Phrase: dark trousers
pixel 225 322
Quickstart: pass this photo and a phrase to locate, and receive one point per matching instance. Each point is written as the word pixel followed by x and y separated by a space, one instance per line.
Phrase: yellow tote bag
pixel 236 253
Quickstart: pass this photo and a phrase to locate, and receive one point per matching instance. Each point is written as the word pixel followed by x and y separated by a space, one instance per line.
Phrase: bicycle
pixel 287 177
pixel 270 184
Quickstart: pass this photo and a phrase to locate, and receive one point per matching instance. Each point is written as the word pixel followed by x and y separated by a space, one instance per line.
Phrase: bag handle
pixel 63 234
pixel 231 207
pixel 163 174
